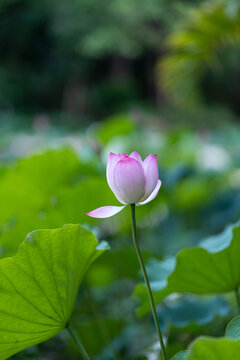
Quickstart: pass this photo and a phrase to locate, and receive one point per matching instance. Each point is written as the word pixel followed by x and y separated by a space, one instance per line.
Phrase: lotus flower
pixel 132 181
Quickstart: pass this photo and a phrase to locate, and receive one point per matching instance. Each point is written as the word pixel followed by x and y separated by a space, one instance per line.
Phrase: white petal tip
pixel 105 211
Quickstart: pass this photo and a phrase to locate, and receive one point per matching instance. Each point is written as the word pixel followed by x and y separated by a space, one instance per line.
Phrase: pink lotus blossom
pixel 132 181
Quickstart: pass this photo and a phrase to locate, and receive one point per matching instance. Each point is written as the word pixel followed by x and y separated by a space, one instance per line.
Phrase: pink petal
pixel 129 179
pixel 146 162
pixel 105 211
pixel 112 161
pixel 153 194
pixel 136 156
pixel 151 175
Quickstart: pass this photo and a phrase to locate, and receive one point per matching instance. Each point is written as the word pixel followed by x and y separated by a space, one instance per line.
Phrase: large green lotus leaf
pixel 211 268
pixel 28 184
pixel 209 348
pixel 39 285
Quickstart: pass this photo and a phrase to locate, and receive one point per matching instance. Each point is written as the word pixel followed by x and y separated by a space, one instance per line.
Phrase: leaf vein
pixel 37 283
pixel 29 302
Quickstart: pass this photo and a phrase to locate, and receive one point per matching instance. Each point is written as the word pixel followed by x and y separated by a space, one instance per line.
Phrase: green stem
pixel 82 351
pixel 238 299
pixel 97 318
pixel 150 295
pixel 101 326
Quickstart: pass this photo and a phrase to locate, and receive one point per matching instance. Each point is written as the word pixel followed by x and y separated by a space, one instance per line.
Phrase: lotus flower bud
pixel 132 181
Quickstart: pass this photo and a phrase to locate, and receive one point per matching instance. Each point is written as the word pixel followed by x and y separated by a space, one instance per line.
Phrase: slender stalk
pixel 238 299
pixel 103 331
pixel 97 318
pixel 150 295
pixel 82 351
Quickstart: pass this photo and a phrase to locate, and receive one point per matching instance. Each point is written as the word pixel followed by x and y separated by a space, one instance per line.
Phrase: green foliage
pixel 115 265
pixel 50 195
pixel 226 348
pixel 196 47
pixel 213 349
pixel 191 312
pixel 111 27
pixel 99 332
pixel 180 356
pixel 211 268
pixel 195 192
pixel 29 183
pixel 117 125
pixel 198 197
pixel 68 52
pixel 39 285
pixel 46 191
pixel 233 329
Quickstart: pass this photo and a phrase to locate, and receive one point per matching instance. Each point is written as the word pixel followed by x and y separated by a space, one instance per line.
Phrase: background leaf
pixel 204 347
pixel 233 329
pixel 183 312
pixel 214 349
pixel 39 176
pixel 180 356
pixel 211 268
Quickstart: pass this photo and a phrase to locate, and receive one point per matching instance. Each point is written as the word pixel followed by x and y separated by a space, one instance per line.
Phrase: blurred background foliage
pixel 79 79
pixel 204 53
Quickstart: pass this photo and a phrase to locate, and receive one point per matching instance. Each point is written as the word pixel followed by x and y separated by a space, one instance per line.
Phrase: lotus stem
pixel 81 348
pixel 150 295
